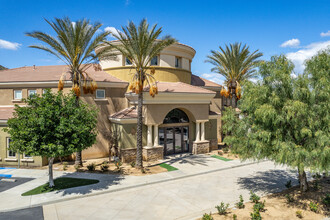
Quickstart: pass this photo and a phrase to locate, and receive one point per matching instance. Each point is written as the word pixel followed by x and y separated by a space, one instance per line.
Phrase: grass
pixel 60 183
pixel 221 158
pixel 168 167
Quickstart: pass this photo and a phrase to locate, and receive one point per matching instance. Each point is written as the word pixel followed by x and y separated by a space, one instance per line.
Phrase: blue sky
pixel 295 28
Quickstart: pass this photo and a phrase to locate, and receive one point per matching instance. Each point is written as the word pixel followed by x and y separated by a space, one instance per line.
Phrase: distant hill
pixel 3 68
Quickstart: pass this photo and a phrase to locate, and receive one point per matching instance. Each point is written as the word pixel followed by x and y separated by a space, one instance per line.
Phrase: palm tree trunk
pixel 78 160
pixel 139 163
pixel 50 172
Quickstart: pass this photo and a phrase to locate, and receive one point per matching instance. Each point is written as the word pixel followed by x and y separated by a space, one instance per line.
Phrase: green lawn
pixel 168 167
pixel 60 183
pixel 221 158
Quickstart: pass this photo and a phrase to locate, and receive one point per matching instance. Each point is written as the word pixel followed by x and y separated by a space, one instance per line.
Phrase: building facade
pixel 183 117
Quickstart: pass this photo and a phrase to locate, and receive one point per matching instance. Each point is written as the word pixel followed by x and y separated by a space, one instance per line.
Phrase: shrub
pixel 316 186
pixel 289 198
pixel 314 207
pixel 207 217
pixel 91 166
pixel 225 150
pixel 259 207
pixel 65 166
pixel 240 204
pixel 234 217
pixel 326 200
pixel 299 214
pixel 220 153
pixel 253 197
pixel 317 176
pixel 288 184
pixel 133 164
pixel 222 208
pixel 118 164
pixel 105 166
pixel 77 167
pixel 255 215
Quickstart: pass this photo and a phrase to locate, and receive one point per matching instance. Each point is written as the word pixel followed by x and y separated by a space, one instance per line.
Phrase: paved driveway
pixel 185 198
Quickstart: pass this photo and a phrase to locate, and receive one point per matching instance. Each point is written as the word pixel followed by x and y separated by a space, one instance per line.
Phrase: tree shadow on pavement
pixel 270 181
pixel 188 159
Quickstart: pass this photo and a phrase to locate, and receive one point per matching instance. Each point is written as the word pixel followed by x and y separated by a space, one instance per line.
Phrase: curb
pixel 131 187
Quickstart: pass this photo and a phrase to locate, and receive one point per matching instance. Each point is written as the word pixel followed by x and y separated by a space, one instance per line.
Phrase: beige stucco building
pixel 183 117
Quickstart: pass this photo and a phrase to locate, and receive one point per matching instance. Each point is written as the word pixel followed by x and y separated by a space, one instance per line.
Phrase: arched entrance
pixel 174 132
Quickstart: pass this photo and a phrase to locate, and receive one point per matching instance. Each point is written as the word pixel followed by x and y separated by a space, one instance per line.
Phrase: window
pixel 17 94
pixel 27 156
pixel 128 62
pixel 154 61
pixel 176 116
pixel 9 152
pixel 100 94
pixel 178 62
pixel 32 92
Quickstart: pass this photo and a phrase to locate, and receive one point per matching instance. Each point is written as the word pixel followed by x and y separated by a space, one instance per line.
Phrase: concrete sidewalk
pixel 185 198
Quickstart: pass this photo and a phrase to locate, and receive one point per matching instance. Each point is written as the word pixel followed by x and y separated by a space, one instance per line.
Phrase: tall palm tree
pixel 140 45
pixel 236 64
pixel 74 44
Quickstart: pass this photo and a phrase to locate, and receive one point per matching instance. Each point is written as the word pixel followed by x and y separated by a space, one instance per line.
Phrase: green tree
pixel 285 119
pixel 140 45
pixel 3 68
pixel 236 64
pixel 75 45
pixel 52 126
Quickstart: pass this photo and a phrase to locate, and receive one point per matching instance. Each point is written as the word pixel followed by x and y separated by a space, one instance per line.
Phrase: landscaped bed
pixel 60 183
pixel 223 153
pixel 288 204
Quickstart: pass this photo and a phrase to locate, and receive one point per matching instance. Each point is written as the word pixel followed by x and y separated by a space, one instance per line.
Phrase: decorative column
pixel 197 131
pixel 149 137
pixel 203 131
pixel 156 136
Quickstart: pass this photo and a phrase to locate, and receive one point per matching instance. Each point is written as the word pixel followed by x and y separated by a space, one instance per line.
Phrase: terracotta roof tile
pixel 179 87
pixel 49 73
pixel 125 113
pixel 6 113
pixel 199 81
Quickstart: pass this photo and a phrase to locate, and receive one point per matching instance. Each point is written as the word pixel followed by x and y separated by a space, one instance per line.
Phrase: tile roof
pixel 6 112
pixel 214 113
pixel 179 87
pixel 125 113
pixel 49 73
pixel 199 81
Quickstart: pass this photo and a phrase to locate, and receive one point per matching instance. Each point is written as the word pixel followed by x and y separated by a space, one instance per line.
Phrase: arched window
pixel 176 116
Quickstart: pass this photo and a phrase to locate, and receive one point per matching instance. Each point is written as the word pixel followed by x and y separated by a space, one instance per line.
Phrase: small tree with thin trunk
pixel 285 119
pixel 140 44
pixel 52 126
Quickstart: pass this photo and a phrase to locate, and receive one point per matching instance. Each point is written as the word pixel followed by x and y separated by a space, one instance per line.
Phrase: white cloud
pixel 112 30
pixel 325 34
pixel 299 57
pixel 214 77
pixel 9 45
pixel 291 43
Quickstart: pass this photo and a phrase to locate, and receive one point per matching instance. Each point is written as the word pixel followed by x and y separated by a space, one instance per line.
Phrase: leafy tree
pixel 140 45
pixel 52 126
pixel 3 68
pixel 74 44
pixel 285 119
pixel 236 64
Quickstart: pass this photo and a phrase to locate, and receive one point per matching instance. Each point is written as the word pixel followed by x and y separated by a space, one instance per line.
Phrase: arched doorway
pixel 174 132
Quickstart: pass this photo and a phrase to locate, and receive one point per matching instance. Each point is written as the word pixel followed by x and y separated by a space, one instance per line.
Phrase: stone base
pixel 128 155
pixel 153 153
pixel 213 144
pixel 201 147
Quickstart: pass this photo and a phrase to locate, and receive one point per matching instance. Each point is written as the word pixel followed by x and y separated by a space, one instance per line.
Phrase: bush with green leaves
pixel 65 165
pixel 105 166
pixel 314 207
pixel 118 164
pixel 288 184
pixel 326 200
pixel 222 208
pixel 133 164
pixel 240 203
pixel 253 197
pixel 255 215
pixel 234 217
pixel 207 217
pixel 225 150
pixel 299 214
pixel 289 198
pixel 91 166
pixel 77 167
pixel 284 119
pixel 259 207
pixel 52 126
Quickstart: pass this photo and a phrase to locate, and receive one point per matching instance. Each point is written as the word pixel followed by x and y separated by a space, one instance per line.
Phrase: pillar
pixel 149 137
pixel 203 131
pixel 197 131
pixel 156 135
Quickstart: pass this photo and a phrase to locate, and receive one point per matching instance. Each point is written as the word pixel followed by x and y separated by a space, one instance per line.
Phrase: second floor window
pixel 17 94
pixel 154 61
pixel 32 92
pixel 127 62
pixel 178 62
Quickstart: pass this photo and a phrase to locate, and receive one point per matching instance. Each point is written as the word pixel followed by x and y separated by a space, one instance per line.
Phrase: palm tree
pixel 140 45
pixel 237 65
pixel 74 44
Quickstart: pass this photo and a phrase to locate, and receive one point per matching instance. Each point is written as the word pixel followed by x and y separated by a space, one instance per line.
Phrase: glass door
pixel 169 141
pixel 177 140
